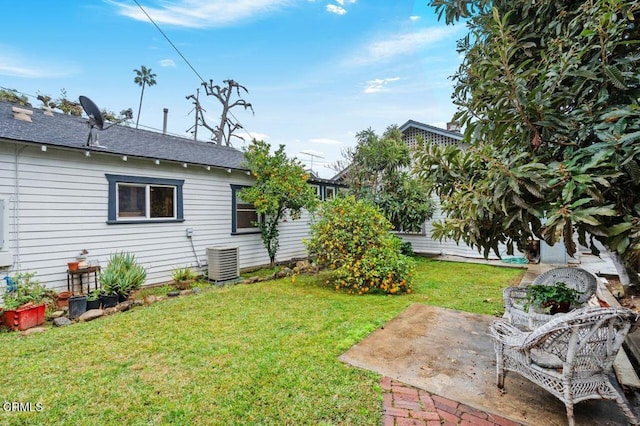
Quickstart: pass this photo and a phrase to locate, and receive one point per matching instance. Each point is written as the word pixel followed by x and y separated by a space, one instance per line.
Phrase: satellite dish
pixel 95 116
pixel 95 120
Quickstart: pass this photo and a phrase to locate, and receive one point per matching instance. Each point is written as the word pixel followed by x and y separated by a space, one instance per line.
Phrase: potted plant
pixel 183 277
pixel 24 302
pixel 77 305
pixel 551 299
pixel 62 299
pixel 93 299
pixel 122 275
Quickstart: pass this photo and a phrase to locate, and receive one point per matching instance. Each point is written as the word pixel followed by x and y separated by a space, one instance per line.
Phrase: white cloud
pixel 400 44
pixel 18 66
pixel 200 13
pixel 332 8
pixel 379 84
pixel 19 71
pixel 167 63
pixel 325 141
pixel 414 18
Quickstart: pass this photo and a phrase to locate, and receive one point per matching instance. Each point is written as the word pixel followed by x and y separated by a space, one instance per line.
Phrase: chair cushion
pixel 545 359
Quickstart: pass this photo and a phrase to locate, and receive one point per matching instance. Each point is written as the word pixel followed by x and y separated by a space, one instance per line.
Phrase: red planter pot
pixel 24 318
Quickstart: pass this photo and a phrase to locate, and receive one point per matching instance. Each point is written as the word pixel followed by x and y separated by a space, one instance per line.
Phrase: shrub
pixel 25 289
pixel 183 274
pixel 352 238
pixel 122 274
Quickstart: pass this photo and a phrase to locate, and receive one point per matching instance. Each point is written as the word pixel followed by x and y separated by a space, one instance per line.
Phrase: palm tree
pixel 144 77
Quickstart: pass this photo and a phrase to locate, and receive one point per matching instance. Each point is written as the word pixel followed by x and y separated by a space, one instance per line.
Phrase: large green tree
pixel 378 171
pixel 548 96
pixel 280 189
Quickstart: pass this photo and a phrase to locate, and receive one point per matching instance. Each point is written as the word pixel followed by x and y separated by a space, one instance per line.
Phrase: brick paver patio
pixel 405 405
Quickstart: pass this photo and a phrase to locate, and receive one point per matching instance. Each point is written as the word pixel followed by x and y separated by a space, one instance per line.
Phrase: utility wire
pixel 186 61
pixel 170 42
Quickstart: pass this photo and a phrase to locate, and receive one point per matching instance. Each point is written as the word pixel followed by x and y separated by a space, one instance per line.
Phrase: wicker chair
pixel 515 298
pixel 570 356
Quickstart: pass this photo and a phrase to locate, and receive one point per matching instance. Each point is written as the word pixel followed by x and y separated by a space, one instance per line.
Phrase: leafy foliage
pixel 122 274
pixel 281 189
pixel 12 95
pixel 548 95
pixel 63 103
pixel 352 238
pixel 377 171
pixel 26 289
pixel 543 296
pixel 183 274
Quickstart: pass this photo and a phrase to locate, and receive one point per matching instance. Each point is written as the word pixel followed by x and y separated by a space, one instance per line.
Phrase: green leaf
pixel 615 77
pixel 619 228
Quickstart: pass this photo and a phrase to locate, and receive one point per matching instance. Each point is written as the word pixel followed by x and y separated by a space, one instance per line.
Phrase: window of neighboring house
pixel 244 215
pixel 135 199
pixel 318 191
pixel 422 231
pixel 330 192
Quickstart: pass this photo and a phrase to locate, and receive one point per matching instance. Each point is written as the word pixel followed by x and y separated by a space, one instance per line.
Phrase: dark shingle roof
pixel 432 129
pixel 71 132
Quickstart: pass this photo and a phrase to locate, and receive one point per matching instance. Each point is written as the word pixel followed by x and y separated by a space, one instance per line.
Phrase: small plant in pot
pixel 94 299
pixel 25 300
pixel 552 299
pixel 122 275
pixel 183 277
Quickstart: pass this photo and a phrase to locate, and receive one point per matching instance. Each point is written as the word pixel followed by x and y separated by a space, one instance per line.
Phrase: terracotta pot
pixel 63 299
pixel 73 266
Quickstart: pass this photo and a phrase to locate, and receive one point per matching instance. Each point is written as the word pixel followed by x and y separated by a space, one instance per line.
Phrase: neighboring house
pixel 164 198
pixel 422 242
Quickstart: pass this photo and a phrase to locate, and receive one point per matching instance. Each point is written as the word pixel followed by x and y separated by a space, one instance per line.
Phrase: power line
pixel 186 61
pixel 170 42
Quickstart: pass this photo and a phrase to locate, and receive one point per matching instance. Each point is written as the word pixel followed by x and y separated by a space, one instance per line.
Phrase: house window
pixel 135 199
pixel 318 191
pixel 330 192
pixel 244 215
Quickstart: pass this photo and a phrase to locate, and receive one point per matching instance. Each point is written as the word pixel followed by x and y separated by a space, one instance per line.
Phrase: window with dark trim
pixel 243 214
pixel 138 199
pixel 329 192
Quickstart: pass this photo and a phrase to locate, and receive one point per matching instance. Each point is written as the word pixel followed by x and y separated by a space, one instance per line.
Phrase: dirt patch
pixel 629 301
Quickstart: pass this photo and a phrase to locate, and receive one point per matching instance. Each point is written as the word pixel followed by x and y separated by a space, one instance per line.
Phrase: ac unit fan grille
pixel 224 263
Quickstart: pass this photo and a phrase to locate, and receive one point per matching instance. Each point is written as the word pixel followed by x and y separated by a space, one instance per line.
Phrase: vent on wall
pixel 224 263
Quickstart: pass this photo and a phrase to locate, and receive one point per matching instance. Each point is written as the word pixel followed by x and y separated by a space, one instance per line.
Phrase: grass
pixel 261 353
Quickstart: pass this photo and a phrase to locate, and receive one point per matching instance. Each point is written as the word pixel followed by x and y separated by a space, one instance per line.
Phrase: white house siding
pixel 58 205
pixel 425 244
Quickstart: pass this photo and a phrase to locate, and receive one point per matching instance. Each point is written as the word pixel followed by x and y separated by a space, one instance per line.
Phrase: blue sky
pixel 317 71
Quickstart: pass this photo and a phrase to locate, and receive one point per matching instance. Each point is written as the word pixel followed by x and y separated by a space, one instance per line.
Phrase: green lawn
pixel 260 353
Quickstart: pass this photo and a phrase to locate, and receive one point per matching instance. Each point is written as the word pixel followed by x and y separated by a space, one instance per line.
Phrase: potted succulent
pixel 122 275
pixel 183 277
pixel 552 299
pixel 24 302
pixel 93 299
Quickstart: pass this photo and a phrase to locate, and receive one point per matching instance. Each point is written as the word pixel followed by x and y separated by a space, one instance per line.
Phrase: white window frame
pixel 147 201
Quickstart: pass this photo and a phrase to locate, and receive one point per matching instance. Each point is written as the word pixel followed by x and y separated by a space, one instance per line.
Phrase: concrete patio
pixel 449 354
